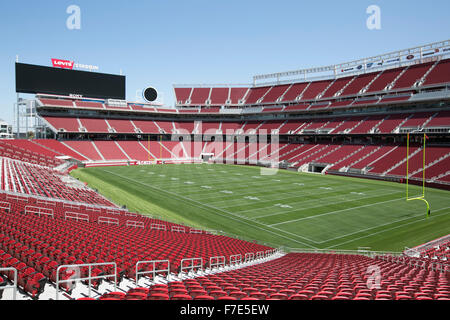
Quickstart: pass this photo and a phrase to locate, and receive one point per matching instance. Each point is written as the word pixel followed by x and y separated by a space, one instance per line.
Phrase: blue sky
pixel 166 42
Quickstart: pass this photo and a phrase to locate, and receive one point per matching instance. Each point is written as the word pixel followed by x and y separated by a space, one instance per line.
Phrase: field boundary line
pixel 307 208
pixel 233 216
pixel 337 211
pixel 388 229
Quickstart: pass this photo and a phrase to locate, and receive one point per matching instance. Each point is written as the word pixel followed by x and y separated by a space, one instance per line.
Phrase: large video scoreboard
pixel 47 80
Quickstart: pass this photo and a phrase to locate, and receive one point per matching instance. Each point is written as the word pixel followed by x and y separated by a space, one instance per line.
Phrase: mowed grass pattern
pixel 289 209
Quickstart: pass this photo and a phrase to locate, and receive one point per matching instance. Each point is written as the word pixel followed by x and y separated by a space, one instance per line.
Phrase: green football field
pixel 289 209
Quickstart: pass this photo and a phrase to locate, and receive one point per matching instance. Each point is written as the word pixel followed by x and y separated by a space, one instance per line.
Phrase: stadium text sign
pixel 66 64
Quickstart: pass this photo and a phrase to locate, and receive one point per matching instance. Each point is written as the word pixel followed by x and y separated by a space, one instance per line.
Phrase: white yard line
pixel 257 192
pixel 339 202
pixel 381 225
pixel 334 212
pixel 396 227
pixel 229 215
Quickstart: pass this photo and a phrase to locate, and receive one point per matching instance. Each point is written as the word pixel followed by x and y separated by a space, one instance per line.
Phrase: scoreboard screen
pixel 38 79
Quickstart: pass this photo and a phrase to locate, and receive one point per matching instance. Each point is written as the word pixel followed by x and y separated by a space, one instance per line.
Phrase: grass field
pixel 287 209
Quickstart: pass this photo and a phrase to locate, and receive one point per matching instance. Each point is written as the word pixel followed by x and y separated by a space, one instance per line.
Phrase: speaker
pixel 150 94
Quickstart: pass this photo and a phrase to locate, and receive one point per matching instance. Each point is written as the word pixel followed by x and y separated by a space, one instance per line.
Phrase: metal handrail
pixel 220 261
pixel 154 271
pixel 193 266
pixel 90 277
pixel 236 259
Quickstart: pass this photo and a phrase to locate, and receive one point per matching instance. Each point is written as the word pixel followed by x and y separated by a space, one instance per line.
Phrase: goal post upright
pixel 422 197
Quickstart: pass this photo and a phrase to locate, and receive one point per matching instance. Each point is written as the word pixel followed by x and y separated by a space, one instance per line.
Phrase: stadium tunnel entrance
pixel 317 167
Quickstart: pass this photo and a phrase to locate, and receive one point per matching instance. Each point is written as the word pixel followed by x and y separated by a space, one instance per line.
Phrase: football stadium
pixel 329 182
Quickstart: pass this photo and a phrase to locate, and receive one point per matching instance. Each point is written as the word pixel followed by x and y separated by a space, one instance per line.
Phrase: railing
pixel 46 202
pixel 250 256
pixel 235 259
pixel 5 205
pixel 260 255
pixel 14 285
pixel 154 271
pixel 76 216
pixel 108 220
pixel 39 211
pixel 93 209
pixel 135 224
pixel 157 226
pixel 217 262
pixel 369 64
pixel 350 252
pixel 65 203
pixel 16 197
pixel 71 206
pixel 77 276
pixel 192 266
pixel 178 229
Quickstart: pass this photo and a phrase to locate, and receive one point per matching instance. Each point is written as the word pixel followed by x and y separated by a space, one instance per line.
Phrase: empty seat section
pixel 358 84
pixel 237 94
pixel 182 94
pixel 193 148
pixel 368 124
pixel 231 127
pixel 386 78
pixel 122 126
pixel 294 91
pixel 185 127
pixel 271 125
pixel 372 157
pixel 411 76
pixel 354 158
pixel 417 120
pixel 146 126
pixel 336 87
pixel 110 150
pixel 390 123
pixel 60 148
pixel 95 125
pixel 349 125
pixel 275 93
pixel 334 124
pixel 209 127
pixel 339 154
pixel 137 150
pixel 57 102
pixel 440 74
pixel 441 120
pixel 256 94
pixel 167 149
pixel 290 127
pixel 89 104
pixel 219 96
pixel 200 96
pixel 66 124
pixel 437 169
pixel 314 89
pixel 394 157
pixel 166 126
pixel 416 162
pixel 86 148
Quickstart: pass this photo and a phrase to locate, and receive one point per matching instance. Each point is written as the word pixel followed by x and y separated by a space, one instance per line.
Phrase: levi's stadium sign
pixel 66 64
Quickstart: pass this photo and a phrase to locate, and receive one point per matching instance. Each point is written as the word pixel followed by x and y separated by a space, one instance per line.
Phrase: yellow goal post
pixel 422 196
